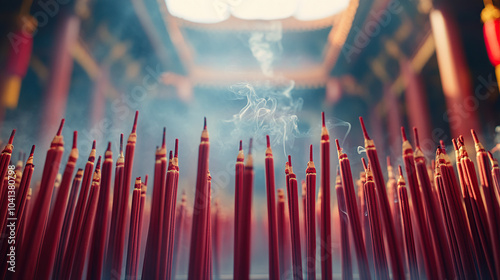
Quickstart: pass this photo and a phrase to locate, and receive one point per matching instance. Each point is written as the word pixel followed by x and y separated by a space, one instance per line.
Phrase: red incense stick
pixel 431 264
pixel 457 216
pixel 87 225
pixel 495 171
pixel 352 211
pixel 283 244
pixel 438 235
pixel 166 224
pixel 392 188
pixel 310 217
pixel 208 250
pixel 274 272
pixel 151 265
pixel 133 231
pixel 238 188
pixel 325 233
pixel 30 249
pixel 198 240
pixel 482 251
pixel 68 221
pixel 4 164
pixel 243 256
pixel 293 209
pixel 117 259
pixel 404 208
pixel 216 235
pixel 54 226
pixel 115 209
pixel 385 209
pixel 179 224
pixel 344 234
pixel 22 198
pixel 379 256
pixel 101 221
pixel 76 227
pixel 173 207
pixel 490 197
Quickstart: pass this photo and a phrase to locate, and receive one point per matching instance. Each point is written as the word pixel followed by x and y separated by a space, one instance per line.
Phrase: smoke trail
pixel 266 46
pixel 268 111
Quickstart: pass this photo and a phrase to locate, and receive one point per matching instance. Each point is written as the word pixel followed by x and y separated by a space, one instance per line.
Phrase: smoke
pixel 266 46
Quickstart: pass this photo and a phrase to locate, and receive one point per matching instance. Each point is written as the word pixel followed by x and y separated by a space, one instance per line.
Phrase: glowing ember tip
pixel 59 131
pixel 176 147
pixel 415 135
pixel 11 139
pixel 75 137
pixel 363 128
pixel 134 127
pixel 268 141
pixel 311 153
pixel 323 119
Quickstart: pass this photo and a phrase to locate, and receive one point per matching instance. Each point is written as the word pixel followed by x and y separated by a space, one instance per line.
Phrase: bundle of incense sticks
pixel 451 222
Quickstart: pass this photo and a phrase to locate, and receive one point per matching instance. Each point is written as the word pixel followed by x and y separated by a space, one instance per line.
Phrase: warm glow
pixel 211 11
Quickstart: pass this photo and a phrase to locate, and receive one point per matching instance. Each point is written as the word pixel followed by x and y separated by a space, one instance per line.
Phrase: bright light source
pixel 211 11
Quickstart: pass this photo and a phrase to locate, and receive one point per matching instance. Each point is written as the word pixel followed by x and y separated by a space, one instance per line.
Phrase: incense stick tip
pixel 364 163
pixel 323 123
pixel 311 153
pixel 388 159
pixel 400 170
pixel 363 128
pixel 134 127
pixel 474 136
pixel 170 155
pixel 250 146
pixel 454 144
pixel 290 160
pixel 268 141
pixel 146 180
pixel 109 146
pixel 12 134
pixel 176 149
pixel 415 135
pixel 403 134
pixel 241 145
pixel 98 166
pixel 59 131
pixel 32 150
pixel 121 142
pixel 93 145
pixel 163 138
pixel 75 137
pixel 204 123
pixel 338 145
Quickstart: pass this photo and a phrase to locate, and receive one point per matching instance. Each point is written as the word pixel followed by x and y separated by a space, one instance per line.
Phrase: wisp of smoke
pixel 268 111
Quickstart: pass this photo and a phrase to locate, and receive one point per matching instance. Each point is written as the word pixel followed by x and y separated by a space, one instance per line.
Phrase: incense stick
pixel 175 163
pixel 101 221
pixel 179 223
pixel 310 217
pixel 344 234
pixel 198 240
pixel 379 256
pixel 404 208
pixel 117 257
pixel 283 243
pixel 274 272
pixel 38 217
pixel 133 230
pixel 55 223
pixel 388 223
pixel 325 233
pixel 238 188
pixel 166 224
pixel 293 209
pixel 352 211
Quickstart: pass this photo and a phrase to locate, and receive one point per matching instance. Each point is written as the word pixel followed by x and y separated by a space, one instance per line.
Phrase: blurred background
pixel 252 68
